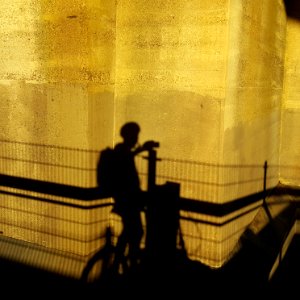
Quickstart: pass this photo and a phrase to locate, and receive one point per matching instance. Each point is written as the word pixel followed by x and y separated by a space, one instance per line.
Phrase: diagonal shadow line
pixel 207 164
pixel 28 245
pixel 220 224
pixel 56 235
pixel 220 209
pixel 195 181
pixel 287 190
pixel 90 194
pixel 51 217
pixel 55 201
pixel 48 146
pixel 213 183
pixel 51 188
pixel 28 161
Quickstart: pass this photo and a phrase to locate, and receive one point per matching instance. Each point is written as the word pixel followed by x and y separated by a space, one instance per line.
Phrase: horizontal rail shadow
pixel 52 188
pixel 93 193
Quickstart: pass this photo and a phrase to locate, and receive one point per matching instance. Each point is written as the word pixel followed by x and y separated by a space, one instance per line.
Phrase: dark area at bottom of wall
pixel 243 276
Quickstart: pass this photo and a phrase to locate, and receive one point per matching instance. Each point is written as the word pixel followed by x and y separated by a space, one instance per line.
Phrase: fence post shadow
pixel 162 219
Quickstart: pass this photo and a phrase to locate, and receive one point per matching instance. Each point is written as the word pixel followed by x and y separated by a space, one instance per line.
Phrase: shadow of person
pixel 129 200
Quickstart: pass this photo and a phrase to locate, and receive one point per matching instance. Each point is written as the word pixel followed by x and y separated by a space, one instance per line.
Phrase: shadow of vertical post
pixel 162 226
pixel 266 208
pixel 162 217
pixel 152 159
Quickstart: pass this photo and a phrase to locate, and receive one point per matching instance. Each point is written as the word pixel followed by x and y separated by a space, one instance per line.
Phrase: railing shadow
pixel 160 247
pixel 51 188
pixel 292 8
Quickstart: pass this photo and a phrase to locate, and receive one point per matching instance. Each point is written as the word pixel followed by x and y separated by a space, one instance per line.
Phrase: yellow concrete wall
pixel 204 78
pixel 56 102
pixel 251 119
pixel 170 76
pixel 171 61
pixel 290 140
pixel 253 99
pixel 57 58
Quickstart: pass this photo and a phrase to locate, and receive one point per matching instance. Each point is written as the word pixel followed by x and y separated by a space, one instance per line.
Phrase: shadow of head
pixel 130 132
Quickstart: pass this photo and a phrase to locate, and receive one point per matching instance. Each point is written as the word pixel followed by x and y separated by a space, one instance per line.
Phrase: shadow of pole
pixel 162 220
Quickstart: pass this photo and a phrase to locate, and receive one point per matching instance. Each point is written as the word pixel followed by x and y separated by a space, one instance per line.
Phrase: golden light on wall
pixel 204 78
pixel 289 156
pixel 56 87
pixel 19 22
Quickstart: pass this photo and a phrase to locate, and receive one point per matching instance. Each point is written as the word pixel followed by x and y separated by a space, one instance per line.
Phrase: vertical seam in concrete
pixel 282 100
pixel 220 193
pixel 222 105
pixel 115 76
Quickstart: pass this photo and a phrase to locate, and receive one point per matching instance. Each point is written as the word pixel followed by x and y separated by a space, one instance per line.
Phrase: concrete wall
pixel 56 103
pixel 171 64
pixel 289 151
pixel 170 77
pixel 251 110
pixel 254 90
pixel 204 78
